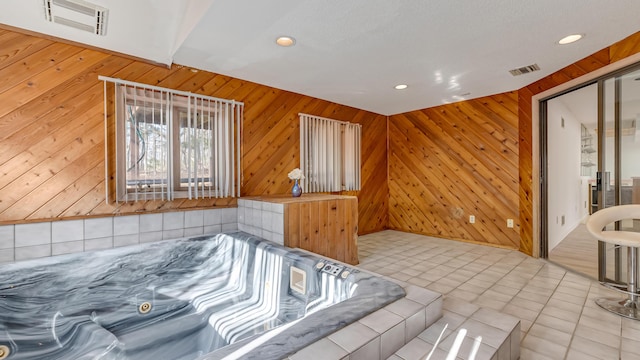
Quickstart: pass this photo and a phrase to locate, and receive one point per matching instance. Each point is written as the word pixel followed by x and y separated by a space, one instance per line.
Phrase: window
pixel 329 154
pixel 171 144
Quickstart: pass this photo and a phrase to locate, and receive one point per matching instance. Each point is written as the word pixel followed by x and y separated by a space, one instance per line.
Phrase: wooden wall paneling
pixel 484 158
pixel 214 84
pixel 373 199
pixel 264 118
pixel 292 218
pixel 525 191
pixel 21 175
pixel 197 82
pixel 177 76
pixel 48 79
pixel 61 200
pixel 16 47
pixel 28 178
pixel 403 211
pixel 502 109
pixel 51 110
pixel 412 167
pixel 41 122
pixel 624 48
pixel 344 246
pixel 470 163
pixel 266 101
pixel 58 181
pixel 325 227
pixel 265 158
pixel 426 212
pixel 34 64
pixel 305 233
pixel 350 245
pixel 313 227
pixel 341 231
pixel 429 211
pixel 334 218
pixel 154 76
pixel 54 95
pixel 447 160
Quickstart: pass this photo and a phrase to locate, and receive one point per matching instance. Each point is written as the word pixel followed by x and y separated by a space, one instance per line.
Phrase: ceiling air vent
pixel 525 70
pixel 77 14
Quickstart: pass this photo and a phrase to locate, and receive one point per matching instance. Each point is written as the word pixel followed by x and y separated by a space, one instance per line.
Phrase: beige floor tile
pixel 419 282
pixel 544 347
pixel 490 303
pixel 561 313
pixel 558 316
pixel 597 335
pixel 526 304
pixel 555 323
pixel 594 348
pixel 629 356
pixel 574 354
pixel 416 349
pixel 520 312
pixel 550 334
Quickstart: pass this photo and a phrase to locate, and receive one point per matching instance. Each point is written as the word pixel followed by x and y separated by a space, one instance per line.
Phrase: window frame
pixel 223 115
pixel 323 166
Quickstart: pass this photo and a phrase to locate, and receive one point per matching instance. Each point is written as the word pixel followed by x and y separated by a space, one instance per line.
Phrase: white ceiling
pixel 354 52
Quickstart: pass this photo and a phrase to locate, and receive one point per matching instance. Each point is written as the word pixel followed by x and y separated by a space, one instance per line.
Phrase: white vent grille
pixel 77 14
pixel 525 70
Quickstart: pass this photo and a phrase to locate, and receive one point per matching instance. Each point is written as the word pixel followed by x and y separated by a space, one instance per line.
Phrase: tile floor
pixel 559 319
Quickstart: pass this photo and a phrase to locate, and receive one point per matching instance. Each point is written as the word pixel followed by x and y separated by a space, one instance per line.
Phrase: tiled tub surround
pixel 36 240
pixel 262 219
pixel 408 329
pixel 381 333
pixel 499 334
pixel 202 294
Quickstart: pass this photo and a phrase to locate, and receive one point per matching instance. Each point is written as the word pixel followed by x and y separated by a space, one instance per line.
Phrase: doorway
pixel 590 156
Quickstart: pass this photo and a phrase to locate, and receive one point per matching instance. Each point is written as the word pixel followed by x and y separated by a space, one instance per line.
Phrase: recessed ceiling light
pixel 570 39
pixel 285 41
pixel 401 87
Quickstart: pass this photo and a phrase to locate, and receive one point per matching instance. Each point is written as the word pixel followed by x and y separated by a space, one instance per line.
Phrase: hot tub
pixel 229 295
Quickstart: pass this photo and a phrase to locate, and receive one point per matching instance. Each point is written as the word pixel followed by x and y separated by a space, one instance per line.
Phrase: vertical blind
pixel 329 154
pixel 171 144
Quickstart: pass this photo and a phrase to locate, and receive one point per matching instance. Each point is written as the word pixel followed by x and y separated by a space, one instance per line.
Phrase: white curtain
pixel 329 154
pixel 352 157
pixel 172 144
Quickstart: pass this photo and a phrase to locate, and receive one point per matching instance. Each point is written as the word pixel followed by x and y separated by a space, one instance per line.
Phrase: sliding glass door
pixel 618 177
pixel 590 151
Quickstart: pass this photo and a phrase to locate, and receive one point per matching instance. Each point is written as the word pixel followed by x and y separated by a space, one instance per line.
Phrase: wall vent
pixel 525 70
pixel 77 14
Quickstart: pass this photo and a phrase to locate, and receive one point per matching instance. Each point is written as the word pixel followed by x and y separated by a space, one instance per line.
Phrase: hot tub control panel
pixel 333 269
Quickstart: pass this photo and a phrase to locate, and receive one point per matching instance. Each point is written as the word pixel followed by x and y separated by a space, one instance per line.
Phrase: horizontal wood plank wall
pixel 52 133
pixel 452 161
pixel 620 50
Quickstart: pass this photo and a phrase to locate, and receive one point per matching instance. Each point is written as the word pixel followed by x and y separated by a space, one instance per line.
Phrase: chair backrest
pixel 601 218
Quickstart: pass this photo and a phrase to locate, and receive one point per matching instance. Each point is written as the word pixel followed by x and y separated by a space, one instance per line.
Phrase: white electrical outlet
pixel 509 223
pixel 472 219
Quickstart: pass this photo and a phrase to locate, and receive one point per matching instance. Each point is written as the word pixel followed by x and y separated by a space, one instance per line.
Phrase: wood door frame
pixel 537 137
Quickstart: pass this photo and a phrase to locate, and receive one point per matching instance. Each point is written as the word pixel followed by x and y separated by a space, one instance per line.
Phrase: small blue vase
pixel 297 190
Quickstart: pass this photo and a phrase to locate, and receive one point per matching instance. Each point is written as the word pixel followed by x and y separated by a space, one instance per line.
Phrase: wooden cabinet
pixel 320 223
